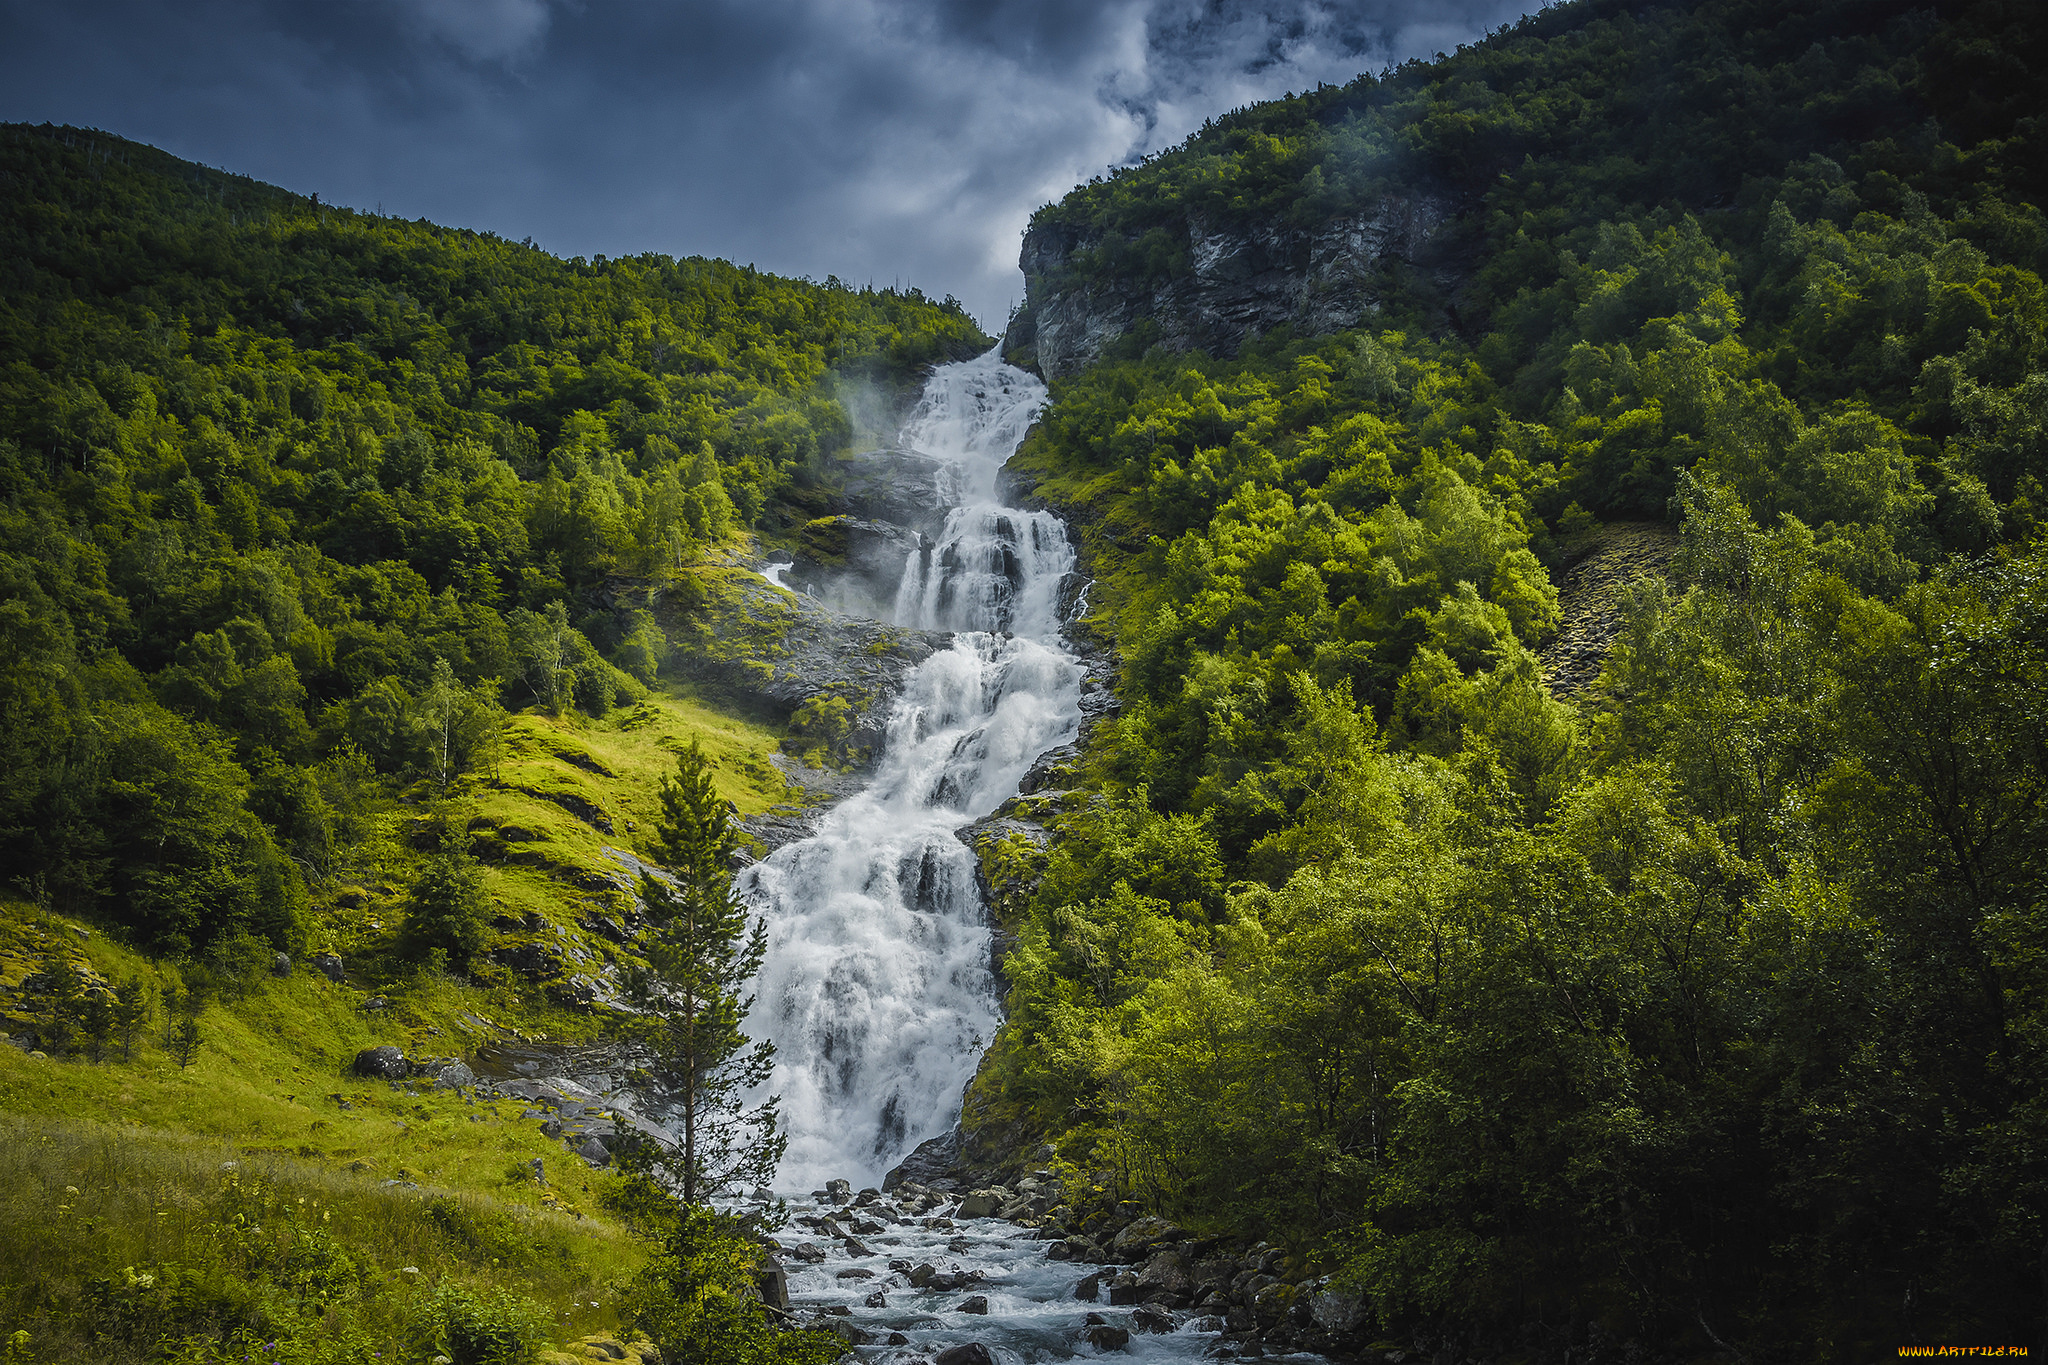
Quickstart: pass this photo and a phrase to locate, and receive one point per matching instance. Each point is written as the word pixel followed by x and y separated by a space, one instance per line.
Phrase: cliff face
pixel 1233 282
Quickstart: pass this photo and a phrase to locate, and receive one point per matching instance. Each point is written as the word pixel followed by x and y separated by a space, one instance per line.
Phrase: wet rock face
pixel 853 564
pixel 1240 281
pixel 910 490
pixel 801 652
pixel 930 1164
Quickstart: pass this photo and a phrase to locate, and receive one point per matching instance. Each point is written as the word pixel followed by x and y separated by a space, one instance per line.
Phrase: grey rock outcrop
pixel 852 564
pixel 1144 1234
pixel 1596 574
pixel 781 651
pixel 454 1076
pixel 980 1204
pixel 772 1282
pixel 930 1165
pixel 901 486
pixel 1238 281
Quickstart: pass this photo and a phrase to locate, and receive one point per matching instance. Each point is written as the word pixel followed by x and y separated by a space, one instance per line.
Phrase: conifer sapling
pixel 697 1064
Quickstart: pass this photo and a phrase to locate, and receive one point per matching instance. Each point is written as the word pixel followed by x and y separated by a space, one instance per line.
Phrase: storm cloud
pixel 883 141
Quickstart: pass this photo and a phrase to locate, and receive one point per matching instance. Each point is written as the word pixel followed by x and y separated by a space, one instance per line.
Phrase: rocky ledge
pixel 835 675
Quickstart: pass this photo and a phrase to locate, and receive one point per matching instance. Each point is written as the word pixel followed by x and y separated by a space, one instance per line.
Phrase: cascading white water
pixel 877 990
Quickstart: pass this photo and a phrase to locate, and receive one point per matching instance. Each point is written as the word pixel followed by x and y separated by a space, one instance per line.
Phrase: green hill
pixel 349 569
pixel 1696 1011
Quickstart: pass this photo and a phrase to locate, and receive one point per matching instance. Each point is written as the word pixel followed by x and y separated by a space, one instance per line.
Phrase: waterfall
pixel 877 990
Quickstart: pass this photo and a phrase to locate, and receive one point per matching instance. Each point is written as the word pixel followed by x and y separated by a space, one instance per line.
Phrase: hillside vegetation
pixel 346 566
pixel 299 501
pixel 1703 1012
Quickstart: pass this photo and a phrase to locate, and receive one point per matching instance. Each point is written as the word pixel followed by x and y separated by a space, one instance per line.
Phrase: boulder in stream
pixel 980 1203
pixel 1147 1318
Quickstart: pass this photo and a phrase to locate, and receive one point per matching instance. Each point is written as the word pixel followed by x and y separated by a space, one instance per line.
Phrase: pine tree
pixel 131 1012
pixel 184 1046
pixel 701 952
pixel 447 904
pixel 96 1019
pixel 63 997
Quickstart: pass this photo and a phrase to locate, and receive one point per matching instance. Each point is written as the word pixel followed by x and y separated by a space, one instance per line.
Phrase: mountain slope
pixel 1649 968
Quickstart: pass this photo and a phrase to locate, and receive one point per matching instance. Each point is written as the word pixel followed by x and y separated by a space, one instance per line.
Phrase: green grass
pixel 121 1165
pixel 272 1077
pixel 143 1143
pixel 113 1238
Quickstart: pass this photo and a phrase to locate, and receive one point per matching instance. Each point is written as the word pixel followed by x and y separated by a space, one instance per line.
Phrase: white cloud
pixel 498 31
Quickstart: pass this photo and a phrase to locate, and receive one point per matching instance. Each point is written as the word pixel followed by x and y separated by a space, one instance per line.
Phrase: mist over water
pixel 877 990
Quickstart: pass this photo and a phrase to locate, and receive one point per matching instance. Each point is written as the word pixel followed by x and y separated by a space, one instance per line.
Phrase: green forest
pixel 1702 1006
pixel 300 499
pixel 1699 1012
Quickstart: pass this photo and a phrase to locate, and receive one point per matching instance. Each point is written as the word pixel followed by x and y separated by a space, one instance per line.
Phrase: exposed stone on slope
pixel 930 1165
pixel 852 564
pixel 775 649
pixel 1589 598
pixel 905 488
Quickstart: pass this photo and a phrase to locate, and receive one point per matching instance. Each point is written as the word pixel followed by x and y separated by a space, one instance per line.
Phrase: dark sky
pixel 878 140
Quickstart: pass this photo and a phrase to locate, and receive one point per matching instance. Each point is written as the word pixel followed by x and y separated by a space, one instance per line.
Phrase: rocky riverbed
pixel 1013 1273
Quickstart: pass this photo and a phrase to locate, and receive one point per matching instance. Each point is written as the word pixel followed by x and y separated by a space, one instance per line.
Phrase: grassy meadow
pixel 263 1193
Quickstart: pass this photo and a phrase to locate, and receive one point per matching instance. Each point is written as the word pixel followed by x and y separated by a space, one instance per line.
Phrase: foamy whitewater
pixel 876 990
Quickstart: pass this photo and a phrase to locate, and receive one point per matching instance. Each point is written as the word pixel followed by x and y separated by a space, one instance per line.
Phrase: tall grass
pixel 126 1246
